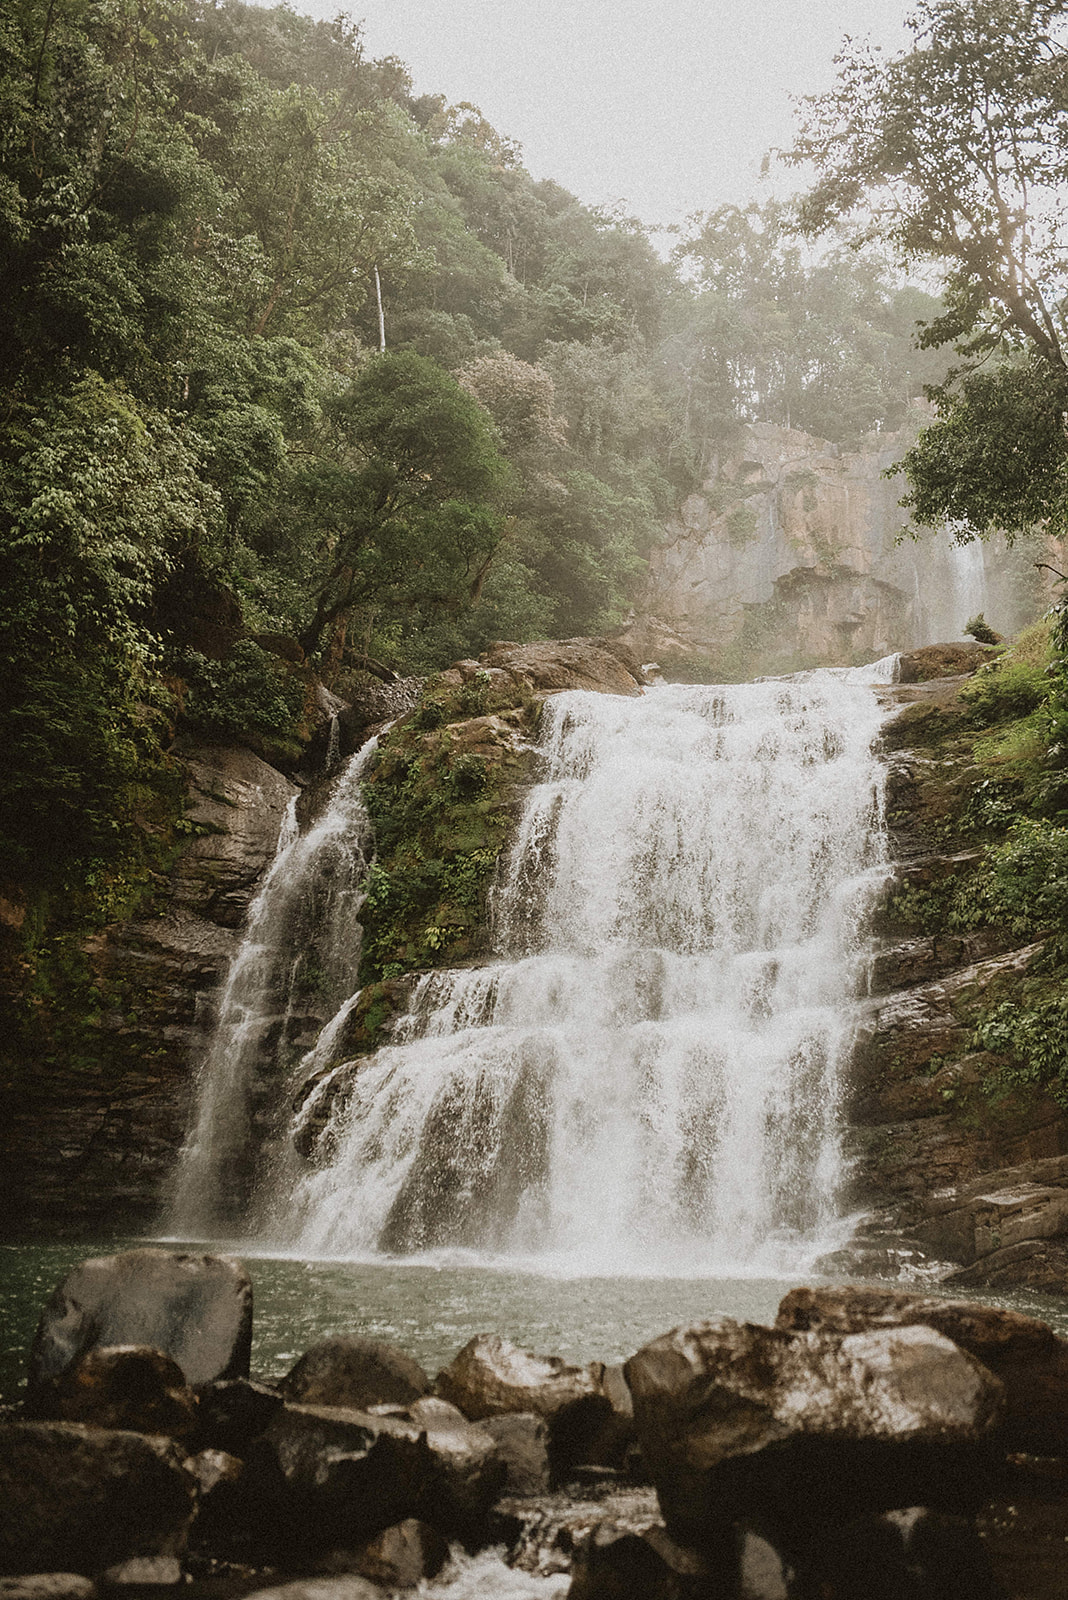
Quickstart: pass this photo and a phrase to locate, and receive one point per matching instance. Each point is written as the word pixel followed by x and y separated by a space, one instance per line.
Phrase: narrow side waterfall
pixel 295 964
pixel 648 1076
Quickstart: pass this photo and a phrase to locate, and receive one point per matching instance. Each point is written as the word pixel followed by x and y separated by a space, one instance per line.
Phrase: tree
pixel 410 502
pixel 955 152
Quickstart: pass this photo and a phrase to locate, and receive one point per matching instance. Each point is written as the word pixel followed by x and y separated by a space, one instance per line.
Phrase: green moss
pixel 442 812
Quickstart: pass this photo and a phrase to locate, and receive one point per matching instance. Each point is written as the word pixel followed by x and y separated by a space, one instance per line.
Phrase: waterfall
pixel 648 1074
pixel 295 963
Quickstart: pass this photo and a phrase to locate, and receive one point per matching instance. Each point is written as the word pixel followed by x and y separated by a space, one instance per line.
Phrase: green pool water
pixel 430 1309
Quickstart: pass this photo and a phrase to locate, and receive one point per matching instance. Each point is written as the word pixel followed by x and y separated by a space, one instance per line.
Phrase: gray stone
pixel 154 1570
pixel 1024 1353
pixel 614 1563
pixel 491 1376
pixel 355 1373
pixel 522 1441
pixel 197 1309
pixel 119 1386
pixel 397 1558
pixel 48 1586
pixel 349 1587
pixel 737 1419
pixel 82 1499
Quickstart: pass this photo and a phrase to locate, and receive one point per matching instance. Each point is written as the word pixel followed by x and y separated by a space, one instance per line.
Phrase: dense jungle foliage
pixel 303 373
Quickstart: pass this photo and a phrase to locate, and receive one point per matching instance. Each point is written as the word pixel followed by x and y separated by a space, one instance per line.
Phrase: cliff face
pixel 955 1160
pixel 90 1124
pixel 788 556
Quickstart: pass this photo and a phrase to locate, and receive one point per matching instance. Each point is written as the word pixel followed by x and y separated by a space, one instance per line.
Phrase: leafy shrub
pixel 248 693
pixel 1037 1037
pixel 979 629
pixel 1023 883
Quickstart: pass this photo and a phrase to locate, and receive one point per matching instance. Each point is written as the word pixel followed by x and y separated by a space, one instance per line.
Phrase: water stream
pixel 298 955
pixel 647 1076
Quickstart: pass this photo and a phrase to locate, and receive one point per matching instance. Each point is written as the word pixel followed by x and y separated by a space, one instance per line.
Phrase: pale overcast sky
pixel 667 109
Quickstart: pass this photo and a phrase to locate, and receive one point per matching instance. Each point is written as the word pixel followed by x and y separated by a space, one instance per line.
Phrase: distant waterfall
pixel 299 954
pixel 648 1076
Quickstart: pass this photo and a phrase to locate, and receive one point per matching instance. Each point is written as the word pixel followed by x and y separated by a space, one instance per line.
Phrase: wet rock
pixel 908 1554
pixel 349 1587
pixel 764 1572
pixel 942 661
pixel 522 1441
pixel 607 665
pixel 543 1533
pixel 323 1478
pixel 238 802
pixel 735 1419
pixel 153 1570
pixel 232 1412
pixel 48 1586
pixel 355 1373
pixel 397 1558
pixel 83 1499
pixel 197 1309
pixel 1024 1353
pixel 467 1472
pixel 615 1564
pixel 119 1386
pixel 491 1376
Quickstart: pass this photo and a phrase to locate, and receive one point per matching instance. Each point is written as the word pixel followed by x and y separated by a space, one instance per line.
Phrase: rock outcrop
pixel 90 1126
pixel 788 556
pixel 952 1168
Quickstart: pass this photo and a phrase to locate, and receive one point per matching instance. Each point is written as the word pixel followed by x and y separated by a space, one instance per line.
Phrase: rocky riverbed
pixel 870 1443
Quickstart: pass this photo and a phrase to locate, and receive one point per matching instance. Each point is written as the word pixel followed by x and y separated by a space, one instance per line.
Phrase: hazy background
pixel 667 112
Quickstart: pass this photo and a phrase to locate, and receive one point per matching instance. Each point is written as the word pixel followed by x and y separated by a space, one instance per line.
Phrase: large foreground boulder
pixel 735 1419
pixel 81 1499
pixel 1024 1353
pixel 197 1309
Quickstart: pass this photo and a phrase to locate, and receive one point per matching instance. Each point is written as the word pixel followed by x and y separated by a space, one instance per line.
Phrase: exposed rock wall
pixel 89 1129
pixel 789 556
pixel 947 1171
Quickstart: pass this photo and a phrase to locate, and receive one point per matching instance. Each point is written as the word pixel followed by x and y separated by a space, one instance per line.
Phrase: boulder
pixel 119 1386
pixel 491 1376
pixel 355 1373
pixel 607 665
pixel 48 1586
pixel 397 1558
pixel 349 1587
pixel 1027 1356
pixel 735 1419
pixel 323 1479
pixel 154 1571
pixel 522 1441
pixel 468 1472
pixel 83 1499
pixel 197 1309
pixel 910 1552
pixel 614 1563
pixel 232 1412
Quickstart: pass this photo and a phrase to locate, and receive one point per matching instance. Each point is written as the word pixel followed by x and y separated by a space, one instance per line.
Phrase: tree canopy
pixel 956 152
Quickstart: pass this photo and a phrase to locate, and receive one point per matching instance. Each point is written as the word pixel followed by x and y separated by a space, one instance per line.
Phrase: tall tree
pixel 956 153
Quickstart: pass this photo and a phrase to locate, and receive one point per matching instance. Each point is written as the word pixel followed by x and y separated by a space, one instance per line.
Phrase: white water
pixel 648 1077
pixel 300 950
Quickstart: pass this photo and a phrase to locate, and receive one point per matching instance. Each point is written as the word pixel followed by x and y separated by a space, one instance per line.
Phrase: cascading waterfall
pixel 294 965
pixel 648 1076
